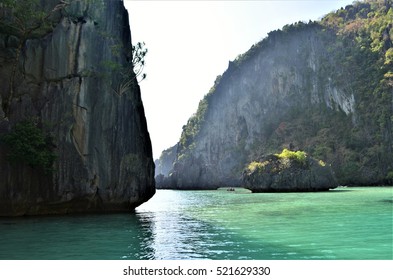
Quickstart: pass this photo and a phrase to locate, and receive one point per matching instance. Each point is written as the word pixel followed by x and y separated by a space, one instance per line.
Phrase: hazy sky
pixel 191 42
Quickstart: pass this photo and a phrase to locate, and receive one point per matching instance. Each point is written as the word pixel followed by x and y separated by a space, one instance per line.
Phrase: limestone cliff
pixel 70 81
pixel 323 87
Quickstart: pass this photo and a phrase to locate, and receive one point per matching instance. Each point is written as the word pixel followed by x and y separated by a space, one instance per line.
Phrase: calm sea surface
pixel 346 223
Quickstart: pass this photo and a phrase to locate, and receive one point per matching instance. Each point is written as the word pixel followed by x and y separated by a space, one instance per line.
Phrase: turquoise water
pixel 346 223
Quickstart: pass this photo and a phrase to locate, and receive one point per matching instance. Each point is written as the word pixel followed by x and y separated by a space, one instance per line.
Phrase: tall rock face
pixel 323 87
pixel 71 85
pixel 164 166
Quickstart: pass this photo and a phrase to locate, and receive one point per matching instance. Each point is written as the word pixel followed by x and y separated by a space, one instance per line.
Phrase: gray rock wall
pixel 69 81
pixel 249 101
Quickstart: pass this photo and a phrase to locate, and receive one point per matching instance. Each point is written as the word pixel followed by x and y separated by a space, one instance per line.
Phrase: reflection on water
pixel 188 239
pixel 355 224
pixel 175 235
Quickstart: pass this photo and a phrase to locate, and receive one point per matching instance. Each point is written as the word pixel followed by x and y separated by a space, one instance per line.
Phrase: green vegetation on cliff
pixel 299 156
pixel 256 166
pixel 194 124
pixel 365 36
pixel 30 144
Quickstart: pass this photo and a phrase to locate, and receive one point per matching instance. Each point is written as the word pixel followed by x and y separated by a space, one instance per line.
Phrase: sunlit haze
pixel 190 43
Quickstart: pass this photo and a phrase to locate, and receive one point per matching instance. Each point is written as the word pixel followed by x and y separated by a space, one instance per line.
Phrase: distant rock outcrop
pixel 72 85
pixel 165 164
pixel 273 173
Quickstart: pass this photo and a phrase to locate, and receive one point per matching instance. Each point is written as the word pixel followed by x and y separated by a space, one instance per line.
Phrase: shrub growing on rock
pixel 28 143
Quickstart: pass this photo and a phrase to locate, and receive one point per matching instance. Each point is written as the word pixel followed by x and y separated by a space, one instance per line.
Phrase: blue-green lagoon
pixel 345 223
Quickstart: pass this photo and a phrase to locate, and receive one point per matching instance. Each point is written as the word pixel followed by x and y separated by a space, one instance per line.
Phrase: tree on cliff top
pixel 24 19
pixel 139 52
pixel 132 70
